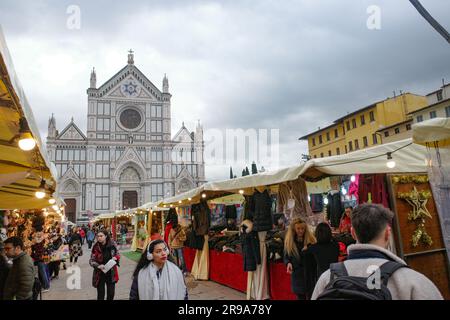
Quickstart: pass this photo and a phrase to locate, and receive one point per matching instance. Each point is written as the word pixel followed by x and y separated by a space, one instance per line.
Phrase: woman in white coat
pixel 156 278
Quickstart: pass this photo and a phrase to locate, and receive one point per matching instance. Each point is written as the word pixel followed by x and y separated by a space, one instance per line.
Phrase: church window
pixel 156 112
pixel 156 126
pixel 102 170
pixel 157 171
pixel 101 196
pixel 130 118
pixel 157 191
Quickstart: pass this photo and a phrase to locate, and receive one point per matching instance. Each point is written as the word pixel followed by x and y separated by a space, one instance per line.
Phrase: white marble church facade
pixel 128 156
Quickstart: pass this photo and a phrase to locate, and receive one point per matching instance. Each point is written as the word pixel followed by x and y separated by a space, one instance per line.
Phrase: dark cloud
pixel 292 65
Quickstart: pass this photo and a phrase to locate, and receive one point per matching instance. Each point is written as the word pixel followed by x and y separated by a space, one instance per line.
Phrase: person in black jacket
pixel 298 238
pixel 325 251
pixel 75 245
pixel 56 243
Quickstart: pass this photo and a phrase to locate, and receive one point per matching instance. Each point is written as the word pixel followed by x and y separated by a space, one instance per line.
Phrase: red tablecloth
pixel 189 257
pixel 227 269
pixel 280 282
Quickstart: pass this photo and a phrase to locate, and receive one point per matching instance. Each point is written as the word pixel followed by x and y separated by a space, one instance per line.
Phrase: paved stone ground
pixel 199 290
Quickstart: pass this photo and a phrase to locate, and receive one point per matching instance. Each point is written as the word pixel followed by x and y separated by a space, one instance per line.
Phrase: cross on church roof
pixel 130 57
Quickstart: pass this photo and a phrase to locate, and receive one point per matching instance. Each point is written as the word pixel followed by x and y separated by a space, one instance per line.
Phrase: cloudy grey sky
pixel 288 65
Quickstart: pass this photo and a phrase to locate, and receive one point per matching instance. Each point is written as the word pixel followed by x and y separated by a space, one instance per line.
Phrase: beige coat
pixel 404 284
pixel 177 238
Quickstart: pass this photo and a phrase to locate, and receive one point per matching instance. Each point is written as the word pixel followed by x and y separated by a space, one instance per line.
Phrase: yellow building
pixel 358 129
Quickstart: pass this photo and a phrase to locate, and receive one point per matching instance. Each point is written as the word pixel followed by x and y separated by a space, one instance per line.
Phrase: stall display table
pixel 280 282
pixel 228 269
pixel 189 257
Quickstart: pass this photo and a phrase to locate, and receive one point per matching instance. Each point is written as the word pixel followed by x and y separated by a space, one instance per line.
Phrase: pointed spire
pixel 130 57
pixel 93 79
pixel 52 132
pixel 165 84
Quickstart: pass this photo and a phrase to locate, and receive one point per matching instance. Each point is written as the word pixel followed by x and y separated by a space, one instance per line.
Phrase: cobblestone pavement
pixel 199 290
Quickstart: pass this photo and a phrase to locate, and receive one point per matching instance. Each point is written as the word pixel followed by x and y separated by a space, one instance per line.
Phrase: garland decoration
pixel 418 201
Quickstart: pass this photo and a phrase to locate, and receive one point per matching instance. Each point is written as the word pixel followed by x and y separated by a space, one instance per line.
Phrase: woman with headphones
pixel 156 278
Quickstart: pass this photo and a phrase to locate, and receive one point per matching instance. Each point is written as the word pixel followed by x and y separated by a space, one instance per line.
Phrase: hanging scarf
pixel 169 286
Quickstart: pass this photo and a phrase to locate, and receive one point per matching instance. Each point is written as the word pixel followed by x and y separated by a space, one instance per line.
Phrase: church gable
pixel 71 132
pixel 130 82
pixel 130 155
pixel 183 135
pixel 70 174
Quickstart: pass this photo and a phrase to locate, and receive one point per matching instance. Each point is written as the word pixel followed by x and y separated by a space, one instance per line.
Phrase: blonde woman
pixel 298 238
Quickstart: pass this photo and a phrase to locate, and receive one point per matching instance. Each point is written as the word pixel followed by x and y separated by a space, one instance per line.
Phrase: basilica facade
pixel 128 156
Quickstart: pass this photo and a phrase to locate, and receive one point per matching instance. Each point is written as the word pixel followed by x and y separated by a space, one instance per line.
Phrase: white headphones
pixel 150 255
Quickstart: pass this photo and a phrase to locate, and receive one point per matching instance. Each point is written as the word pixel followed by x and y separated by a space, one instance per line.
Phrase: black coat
pixel 201 218
pixel 304 275
pixel 261 207
pixel 324 254
pixel 194 241
pixel 4 270
pixel 250 250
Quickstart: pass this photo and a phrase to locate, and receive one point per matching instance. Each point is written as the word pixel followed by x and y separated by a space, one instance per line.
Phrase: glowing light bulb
pixel 353 178
pixel 40 194
pixel 241 191
pixel 27 141
pixel 52 201
pixel 390 164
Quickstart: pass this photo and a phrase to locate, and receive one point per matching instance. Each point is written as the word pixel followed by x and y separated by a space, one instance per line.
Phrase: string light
pixel 40 194
pixel 26 140
pixel 52 200
pixel 390 162
pixel 353 178
pixel 189 199
pixel 241 191
pixel 204 195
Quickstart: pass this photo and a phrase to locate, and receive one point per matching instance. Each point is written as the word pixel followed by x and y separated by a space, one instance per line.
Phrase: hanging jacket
pixel 334 209
pixel 262 211
pixel 201 218
pixel 250 246
pixel 230 212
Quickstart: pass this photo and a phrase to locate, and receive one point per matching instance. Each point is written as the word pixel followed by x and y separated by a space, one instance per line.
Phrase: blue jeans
pixel 178 253
pixel 43 276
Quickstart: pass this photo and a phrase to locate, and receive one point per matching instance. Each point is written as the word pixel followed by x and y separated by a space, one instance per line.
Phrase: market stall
pixel 435 135
pixel 395 175
pixel 369 175
pixel 27 177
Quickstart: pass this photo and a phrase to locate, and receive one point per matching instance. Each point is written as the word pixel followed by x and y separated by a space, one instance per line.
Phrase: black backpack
pixel 37 289
pixel 345 287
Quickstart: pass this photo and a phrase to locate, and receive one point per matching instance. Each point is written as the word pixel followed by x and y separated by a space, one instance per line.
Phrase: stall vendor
pixel 346 222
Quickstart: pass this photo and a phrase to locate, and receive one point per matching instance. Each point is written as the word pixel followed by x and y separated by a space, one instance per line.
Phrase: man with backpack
pixel 371 271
